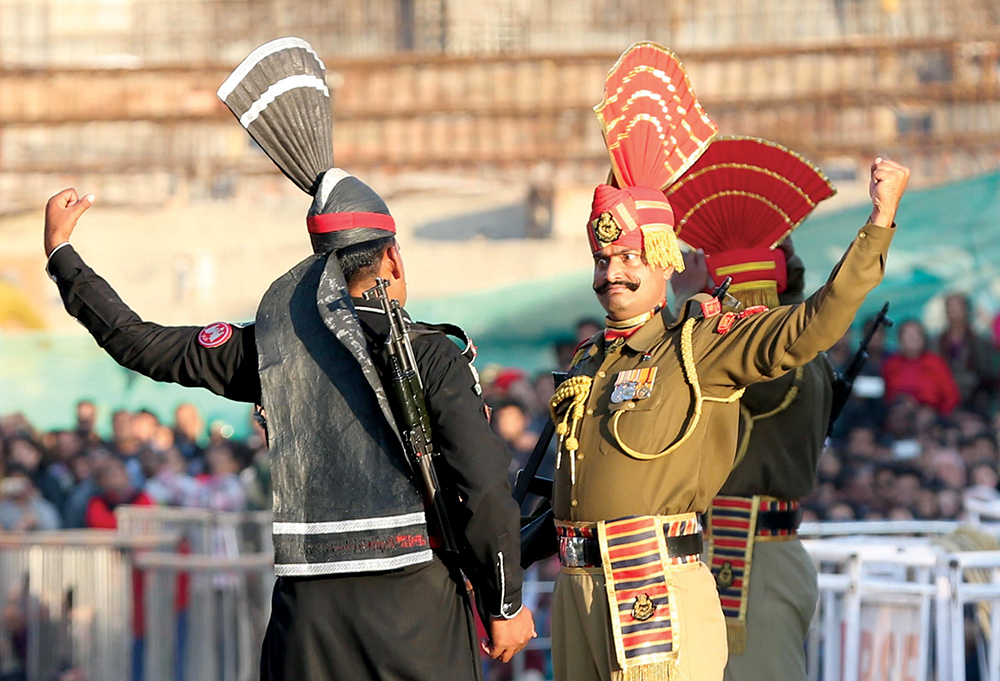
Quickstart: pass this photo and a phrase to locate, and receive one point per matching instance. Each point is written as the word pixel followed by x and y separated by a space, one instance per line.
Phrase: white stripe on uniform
pixel 258 55
pixel 361 525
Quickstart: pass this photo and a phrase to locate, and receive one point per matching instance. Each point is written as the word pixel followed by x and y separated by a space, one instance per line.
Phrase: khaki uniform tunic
pixel 612 484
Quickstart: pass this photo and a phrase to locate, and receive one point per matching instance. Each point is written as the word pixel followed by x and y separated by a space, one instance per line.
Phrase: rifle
pixel 526 481
pixel 411 408
pixel 721 293
pixel 845 382
pixel 538 531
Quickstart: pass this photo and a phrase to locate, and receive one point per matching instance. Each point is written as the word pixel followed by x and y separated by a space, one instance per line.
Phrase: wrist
pixel 881 218
pixel 506 617
pixel 53 244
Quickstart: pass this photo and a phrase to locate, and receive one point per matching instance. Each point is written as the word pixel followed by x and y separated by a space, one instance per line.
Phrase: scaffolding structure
pixel 125 101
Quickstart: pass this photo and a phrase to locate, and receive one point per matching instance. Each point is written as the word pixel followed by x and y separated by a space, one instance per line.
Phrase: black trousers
pixel 411 624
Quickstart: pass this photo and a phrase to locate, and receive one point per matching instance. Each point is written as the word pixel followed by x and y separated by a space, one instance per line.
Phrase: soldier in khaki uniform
pixel 783 425
pixel 648 421
pixel 766 580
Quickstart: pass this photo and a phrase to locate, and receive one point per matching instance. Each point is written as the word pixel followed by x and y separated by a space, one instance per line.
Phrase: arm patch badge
pixel 214 335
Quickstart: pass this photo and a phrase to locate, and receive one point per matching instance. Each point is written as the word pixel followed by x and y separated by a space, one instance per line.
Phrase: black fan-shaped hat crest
pixel 279 94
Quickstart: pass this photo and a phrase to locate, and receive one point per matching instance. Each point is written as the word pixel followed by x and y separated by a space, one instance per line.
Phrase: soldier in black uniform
pixel 361 591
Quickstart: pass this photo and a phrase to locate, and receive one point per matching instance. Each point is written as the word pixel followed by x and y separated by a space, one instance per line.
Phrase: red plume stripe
pixel 653 125
pixel 745 192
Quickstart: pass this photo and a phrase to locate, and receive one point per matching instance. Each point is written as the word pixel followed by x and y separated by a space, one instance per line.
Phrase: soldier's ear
pixel 393 261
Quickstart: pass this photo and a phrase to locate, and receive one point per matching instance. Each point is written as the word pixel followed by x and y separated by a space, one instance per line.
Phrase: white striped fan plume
pixel 279 94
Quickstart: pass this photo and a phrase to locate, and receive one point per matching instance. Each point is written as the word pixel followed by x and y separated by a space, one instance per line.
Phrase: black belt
pixel 583 552
pixel 779 521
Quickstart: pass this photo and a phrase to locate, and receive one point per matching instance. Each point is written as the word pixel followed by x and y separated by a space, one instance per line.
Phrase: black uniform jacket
pixel 475 460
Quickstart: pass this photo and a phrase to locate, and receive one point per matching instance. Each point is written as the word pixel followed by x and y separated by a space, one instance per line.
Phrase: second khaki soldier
pixel 766 580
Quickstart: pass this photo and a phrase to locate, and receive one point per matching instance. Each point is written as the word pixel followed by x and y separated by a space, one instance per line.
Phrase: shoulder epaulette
pixel 701 306
pixel 583 349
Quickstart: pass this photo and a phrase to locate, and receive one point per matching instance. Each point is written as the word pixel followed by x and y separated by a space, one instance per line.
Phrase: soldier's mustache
pixel 601 289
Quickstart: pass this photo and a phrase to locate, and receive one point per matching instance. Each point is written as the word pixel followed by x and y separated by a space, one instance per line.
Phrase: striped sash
pixel 731 525
pixel 735 524
pixel 637 571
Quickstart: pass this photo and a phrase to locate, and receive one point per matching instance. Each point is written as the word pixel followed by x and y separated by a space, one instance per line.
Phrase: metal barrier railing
pixel 68 602
pixel 129 606
pixel 203 532
pixel 863 582
pixel 206 608
pixel 887 568
pixel 218 634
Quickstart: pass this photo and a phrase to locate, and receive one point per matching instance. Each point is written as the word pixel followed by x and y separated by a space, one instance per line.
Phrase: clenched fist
pixel 886 187
pixel 509 636
pixel 694 279
pixel 61 213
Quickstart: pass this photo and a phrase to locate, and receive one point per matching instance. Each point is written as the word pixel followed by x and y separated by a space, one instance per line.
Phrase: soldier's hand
pixel 694 279
pixel 788 247
pixel 886 187
pixel 61 213
pixel 509 636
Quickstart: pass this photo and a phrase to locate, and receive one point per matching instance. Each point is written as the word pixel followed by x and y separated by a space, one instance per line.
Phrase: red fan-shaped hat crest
pixel 745 192
pixel 655 130
pixel 653 125
pixel 740 200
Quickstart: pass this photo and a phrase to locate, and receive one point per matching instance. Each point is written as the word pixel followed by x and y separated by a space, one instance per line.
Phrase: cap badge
pixel 605 229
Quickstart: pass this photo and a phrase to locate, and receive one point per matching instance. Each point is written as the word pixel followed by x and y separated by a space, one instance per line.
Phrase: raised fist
pixel 61 213
pixel 886 187
pixel 694 279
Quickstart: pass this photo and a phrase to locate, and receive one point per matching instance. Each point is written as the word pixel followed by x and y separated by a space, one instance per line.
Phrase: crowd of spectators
pixel 74 478
pixel 918 438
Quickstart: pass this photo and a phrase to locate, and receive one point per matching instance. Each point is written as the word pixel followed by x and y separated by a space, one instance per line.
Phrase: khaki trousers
pixel 582 647
pixel 781 604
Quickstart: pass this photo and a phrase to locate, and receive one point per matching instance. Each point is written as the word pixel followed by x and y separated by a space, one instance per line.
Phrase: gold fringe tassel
pixel 656 671
pixel 660 246
pixel 765 293
pixel 736 635
pixel 576 390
